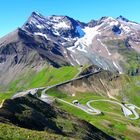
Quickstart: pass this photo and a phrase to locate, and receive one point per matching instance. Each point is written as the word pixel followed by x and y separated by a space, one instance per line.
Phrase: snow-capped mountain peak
pixel 121 18
pixel 85 43
pixel 35 13
pixel 53 26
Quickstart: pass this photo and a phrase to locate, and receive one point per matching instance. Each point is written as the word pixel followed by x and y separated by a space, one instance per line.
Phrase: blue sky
pixel 13 13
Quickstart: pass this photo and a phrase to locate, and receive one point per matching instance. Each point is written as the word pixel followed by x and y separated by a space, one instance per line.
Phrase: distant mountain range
pixel 112 44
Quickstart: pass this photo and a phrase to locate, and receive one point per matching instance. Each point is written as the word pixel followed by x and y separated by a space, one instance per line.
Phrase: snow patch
pixel 117 67
pixel 41 34
pixel 2 63
pixel 61 25
pixel 65 52
pixel 71 63
pixel 72 49
pixel 72 56
pixel 113 23
pixel 56 32
pixel 125 28
pixel 32 22
pixel 86 40
pixel 77 62
pixel 40 26
pixel 90 33
pixel 79 47
pixel 104 46
pixel 130 24
pixel 55 18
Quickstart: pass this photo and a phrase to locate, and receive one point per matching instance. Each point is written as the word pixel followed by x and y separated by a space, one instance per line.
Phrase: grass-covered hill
pixel 31 113
pixel 124 88
pixel 33 79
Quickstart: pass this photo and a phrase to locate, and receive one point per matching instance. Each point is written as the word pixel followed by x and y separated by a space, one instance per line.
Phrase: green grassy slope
pixel 112 121
pixel 47 76
pixel 131 90
pixel 11 132
pixel 32 113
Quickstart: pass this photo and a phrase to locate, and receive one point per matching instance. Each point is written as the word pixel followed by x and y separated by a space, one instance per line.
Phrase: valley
pixel 102 112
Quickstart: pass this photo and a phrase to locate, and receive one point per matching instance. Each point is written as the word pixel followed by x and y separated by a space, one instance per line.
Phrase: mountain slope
pixel 61 40
pixel 12 132
pixel 32 113
pixel 99 89
pixel 21 52
pixel 45 51
pixel 88 43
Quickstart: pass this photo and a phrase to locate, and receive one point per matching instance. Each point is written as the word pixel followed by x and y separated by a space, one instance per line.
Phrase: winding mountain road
pixel 81 107
pixel 73 79
pixel 24 93
pixel 128 109
pixel 132 108
pixel 34 90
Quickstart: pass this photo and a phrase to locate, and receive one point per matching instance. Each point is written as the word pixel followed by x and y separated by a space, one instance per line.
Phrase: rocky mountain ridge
pixel 112 44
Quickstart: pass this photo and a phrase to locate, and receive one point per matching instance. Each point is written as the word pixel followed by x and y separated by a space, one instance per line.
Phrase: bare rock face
pixel 20 51
pixel 92 23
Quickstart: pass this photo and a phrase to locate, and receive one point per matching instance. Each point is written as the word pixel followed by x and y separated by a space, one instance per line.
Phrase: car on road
pixel 75 102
